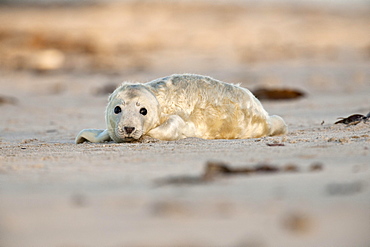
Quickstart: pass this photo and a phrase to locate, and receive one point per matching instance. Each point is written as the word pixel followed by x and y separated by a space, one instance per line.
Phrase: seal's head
pixel 132 111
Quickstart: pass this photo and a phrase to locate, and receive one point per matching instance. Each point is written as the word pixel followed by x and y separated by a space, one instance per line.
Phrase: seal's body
pixel 181 106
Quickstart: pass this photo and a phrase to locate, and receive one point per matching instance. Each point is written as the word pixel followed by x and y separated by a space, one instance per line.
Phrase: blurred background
pixel 230 40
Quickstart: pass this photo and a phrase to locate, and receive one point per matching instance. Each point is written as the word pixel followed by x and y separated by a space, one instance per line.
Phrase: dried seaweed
pixel 277 94
pixel 353 119
pixel 214 170
pixel 275 144
pixel 316 167
pixel 8 100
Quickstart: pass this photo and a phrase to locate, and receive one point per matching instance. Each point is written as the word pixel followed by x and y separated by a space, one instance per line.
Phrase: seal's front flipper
pixel 92 135
pixel 174 128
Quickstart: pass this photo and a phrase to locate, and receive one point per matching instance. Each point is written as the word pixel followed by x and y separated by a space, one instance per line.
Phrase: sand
pixel 55 64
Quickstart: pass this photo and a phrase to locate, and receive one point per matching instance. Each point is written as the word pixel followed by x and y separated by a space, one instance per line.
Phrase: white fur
pixel 181 106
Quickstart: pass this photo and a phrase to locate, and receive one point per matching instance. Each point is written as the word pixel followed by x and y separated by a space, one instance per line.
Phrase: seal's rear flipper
pixel 92 135
pixel 277 126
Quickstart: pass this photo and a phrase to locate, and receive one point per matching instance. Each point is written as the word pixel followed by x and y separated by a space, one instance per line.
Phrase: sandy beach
pixel 58 65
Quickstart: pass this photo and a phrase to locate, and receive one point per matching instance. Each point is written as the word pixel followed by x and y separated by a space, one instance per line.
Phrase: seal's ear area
pixel 92 135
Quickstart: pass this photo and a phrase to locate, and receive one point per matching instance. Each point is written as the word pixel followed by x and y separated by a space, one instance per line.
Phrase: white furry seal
pixel 181 106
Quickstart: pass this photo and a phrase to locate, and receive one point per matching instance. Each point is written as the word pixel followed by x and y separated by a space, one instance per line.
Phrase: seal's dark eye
pixel 117 110
pixel 143 111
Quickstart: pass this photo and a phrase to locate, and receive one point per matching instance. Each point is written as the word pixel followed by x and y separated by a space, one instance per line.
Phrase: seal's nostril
pixel 129 130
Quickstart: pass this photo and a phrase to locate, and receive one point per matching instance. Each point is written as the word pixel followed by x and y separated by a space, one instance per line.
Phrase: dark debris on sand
pixel 214 170
pixel 354 119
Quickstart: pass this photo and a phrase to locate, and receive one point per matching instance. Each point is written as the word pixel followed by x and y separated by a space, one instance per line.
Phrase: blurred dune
pixel 124 36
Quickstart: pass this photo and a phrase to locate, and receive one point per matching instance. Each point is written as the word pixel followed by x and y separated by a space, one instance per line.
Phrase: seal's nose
pixel 129 130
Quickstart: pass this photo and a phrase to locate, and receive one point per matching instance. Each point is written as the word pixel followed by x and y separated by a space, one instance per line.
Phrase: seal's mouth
pixel 127 137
